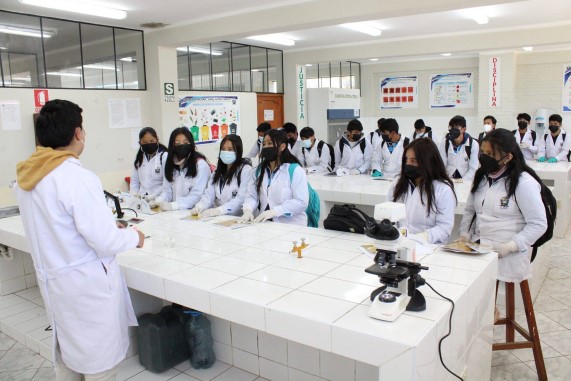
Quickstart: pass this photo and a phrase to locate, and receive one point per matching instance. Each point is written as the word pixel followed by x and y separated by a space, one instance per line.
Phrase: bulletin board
pixel 452 90
pixel 211 117
pixel 399 92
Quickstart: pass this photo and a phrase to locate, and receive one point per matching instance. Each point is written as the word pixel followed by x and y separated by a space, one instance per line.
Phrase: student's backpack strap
pixel 469 149
pixel 313 204
pixel 533 137
pixel 363 144
pixel 406 141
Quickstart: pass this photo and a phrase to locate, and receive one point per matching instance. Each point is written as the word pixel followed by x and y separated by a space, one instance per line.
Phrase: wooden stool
pixel 531 335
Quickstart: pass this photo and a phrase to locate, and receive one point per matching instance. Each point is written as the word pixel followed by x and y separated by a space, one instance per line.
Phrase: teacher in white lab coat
pixel 74 240
pixel 428 193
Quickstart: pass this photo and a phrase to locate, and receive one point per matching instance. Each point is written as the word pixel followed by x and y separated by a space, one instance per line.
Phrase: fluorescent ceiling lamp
pixel 79 7
pixel 528 48
pixel 363 27
pixel 273 39
pixel 446 54
pixel 309 65
pixel 196 49
pixel 99 67
pixel 217 75
pixel 62 74
pixel 128 59
pixel 21 31
pixel 373 59
pixel 482 19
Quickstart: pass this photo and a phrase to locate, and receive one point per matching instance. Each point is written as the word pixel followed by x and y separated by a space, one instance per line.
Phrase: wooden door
pixel 271 109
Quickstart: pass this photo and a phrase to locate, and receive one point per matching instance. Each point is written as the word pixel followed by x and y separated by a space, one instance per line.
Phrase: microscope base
pixel 389 311
pixel 417 302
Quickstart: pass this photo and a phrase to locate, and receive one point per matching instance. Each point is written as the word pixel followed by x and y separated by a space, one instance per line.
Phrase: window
pixel 344 75
pixel 99 67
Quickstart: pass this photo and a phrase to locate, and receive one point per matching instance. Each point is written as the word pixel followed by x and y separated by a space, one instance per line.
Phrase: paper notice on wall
pixel 10 111
pixel 567 88
pixel 452 90
pixel 124 113
pixel 268 115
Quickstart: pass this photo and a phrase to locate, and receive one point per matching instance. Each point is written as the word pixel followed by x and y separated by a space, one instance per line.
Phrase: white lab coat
pixel 429 133
pixel 559 149
pixel 148 178
pixel 458 159
pixel 388 163
pixel 531 149
pixel 255 150
pixel 296 150
pixel 287 198
pixel 231 196
pixel 438 225
pixel 374 139
pixel 353 157
pixel 500 220
pixel 313 162
pixel 74 241
pixel 186 191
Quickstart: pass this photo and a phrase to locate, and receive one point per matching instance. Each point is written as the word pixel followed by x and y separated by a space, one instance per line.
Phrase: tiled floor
pixel 552 311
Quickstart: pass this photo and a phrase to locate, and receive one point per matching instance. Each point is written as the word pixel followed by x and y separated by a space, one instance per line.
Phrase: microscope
pixel 399 276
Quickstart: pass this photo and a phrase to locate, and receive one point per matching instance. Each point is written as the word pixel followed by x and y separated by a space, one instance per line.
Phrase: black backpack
pixel 320 149
pixel 468 150
pixel 550 205
pixel 405 142
pixel 362 145
pixel 346 218
pixel 533 136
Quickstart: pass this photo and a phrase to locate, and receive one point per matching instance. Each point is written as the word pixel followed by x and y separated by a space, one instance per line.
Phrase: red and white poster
pixel 494 82
pixel 40 99
pixel 399 92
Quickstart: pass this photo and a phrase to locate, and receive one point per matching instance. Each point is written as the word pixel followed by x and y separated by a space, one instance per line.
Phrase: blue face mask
pixel 306 143
pixel 227 157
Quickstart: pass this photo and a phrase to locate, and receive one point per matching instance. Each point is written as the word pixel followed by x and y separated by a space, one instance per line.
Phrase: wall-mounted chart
pixel 399 92
pixel 452 90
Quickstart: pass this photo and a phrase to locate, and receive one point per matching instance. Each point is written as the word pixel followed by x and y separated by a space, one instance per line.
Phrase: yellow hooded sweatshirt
pixel 32 170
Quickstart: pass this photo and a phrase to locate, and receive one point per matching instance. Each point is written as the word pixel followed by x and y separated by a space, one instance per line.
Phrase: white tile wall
pixel 246 361
pixel 303 357
pixel 273 370
pixel 244 338
pixel 272 347
pixel 336 368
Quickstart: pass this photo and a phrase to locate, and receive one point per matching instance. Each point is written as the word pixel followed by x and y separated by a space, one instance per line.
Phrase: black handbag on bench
pixel 346 218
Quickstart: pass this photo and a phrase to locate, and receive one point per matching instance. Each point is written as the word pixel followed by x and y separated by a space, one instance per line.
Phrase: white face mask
pixel 487 128
pixel 228 157
pixel 306 143
pixel 260 139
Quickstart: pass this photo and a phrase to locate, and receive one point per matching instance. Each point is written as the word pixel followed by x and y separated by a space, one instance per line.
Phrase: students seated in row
pixel 553 147
pixel 148 172
pixel 459 151
pixel 257 147
pixel 489 125
pixel 421 130
pixel 353 151
pixel 428 193
pixel 294 144
pixel 387 157
pixel 316 154
pixel 375 136
pixel 228 184
pixel 525 137
pixel 186 173
pixel 276 192
pixel 504 209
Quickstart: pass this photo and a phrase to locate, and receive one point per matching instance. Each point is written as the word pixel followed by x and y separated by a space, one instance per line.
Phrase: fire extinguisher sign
pixel 40 99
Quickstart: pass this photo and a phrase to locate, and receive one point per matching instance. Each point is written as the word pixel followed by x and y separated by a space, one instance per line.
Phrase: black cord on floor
pixel 136 215
pixel 448 334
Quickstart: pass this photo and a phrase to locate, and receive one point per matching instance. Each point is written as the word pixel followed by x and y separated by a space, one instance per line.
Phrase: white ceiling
pixel 516 15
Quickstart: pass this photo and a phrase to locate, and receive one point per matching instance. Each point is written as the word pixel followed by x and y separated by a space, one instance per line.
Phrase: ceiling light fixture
pixel 98 67
pixel 309 65
pixel 446 54
pixel 217 75
pixel 62 74
pixel 79 7
pixel 23 31
pixel 482 19
pixel 197 49
pixel 363 27
pixel 373 59
pixel 528 48
pixel 128 59
pixel 273 39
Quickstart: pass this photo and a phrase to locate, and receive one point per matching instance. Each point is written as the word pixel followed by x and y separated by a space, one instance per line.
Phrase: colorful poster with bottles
pixel 209 117
pixel 452 90
pixel 399 92
pixel 567 88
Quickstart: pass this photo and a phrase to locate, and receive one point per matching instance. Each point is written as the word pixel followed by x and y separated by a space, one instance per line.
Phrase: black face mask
pixel 269 153
pixel 291 141
pixel 150 148
pixel 356 137
pixel 182 151
pixel 411 172
pixel 385 138
pixel 522 124
pixel 488 164
pixel 553 129
pixel 453 133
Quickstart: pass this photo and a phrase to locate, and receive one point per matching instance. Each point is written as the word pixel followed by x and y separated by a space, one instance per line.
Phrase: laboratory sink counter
pixel 248 276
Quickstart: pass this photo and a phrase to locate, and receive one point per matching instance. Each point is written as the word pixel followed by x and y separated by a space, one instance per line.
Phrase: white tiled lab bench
pixel 288 318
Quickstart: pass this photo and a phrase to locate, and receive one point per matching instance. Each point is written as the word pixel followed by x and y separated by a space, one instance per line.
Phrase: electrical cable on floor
pixel 448 334
pixel 133 210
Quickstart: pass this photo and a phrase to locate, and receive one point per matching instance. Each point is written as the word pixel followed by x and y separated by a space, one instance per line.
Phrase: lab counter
pixel 248 276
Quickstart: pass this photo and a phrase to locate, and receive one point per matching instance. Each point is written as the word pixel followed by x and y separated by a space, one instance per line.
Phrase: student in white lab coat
pixel 294 144
pixel 186 173
pixel 74 239
pixel 504 209
pixel 525 136
pixel 149 167
pixel 257 147
pixel 489 125
pixel 459 151
pixel 428 193
pixel 273 193
pixel 353 151
pixel 387 157
pixel 554 146
pixel 421 130
pixel 228 184
pixel 375 136
pixel 316 154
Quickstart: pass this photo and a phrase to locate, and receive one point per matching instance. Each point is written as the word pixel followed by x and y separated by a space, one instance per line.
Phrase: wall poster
pixel 209 117
pixel 567 88
pixel 452 90
pixel 399 92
